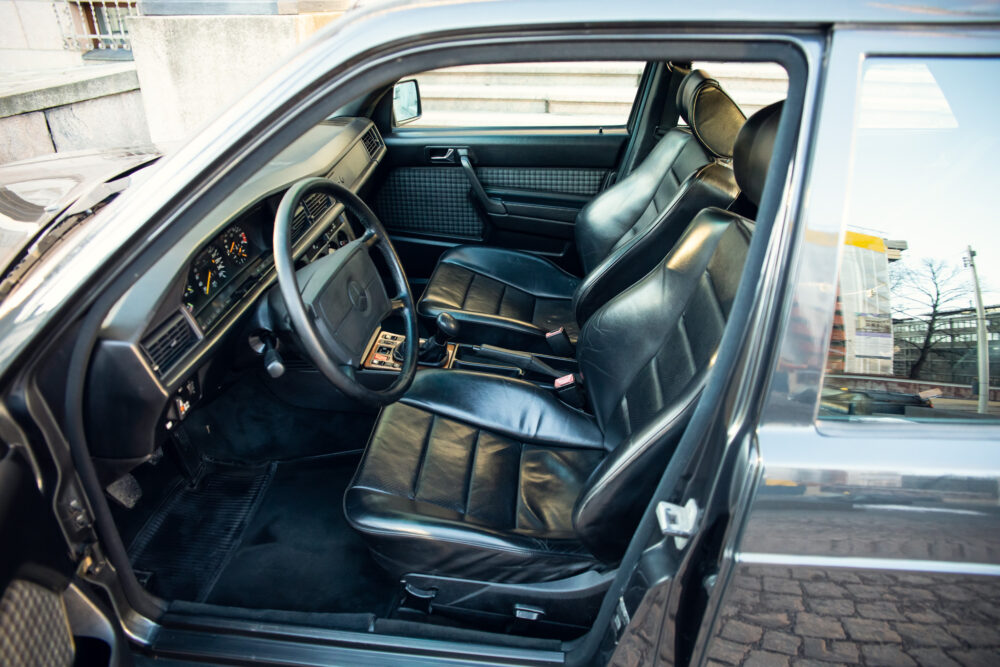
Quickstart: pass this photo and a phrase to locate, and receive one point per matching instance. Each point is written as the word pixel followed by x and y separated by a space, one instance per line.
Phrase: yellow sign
pixel 865 241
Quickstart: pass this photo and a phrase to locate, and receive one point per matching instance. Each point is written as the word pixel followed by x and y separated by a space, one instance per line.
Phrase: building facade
pixel 950 349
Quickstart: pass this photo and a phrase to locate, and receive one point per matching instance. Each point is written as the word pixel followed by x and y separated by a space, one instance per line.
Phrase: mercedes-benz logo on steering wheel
pixel 358 296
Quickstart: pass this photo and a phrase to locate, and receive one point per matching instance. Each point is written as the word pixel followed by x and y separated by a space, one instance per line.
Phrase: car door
pixel 870 531
pixel 504 155
pixel 46 616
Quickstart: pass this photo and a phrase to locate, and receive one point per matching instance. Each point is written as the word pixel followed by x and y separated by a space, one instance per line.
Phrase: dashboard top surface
pixel 315 153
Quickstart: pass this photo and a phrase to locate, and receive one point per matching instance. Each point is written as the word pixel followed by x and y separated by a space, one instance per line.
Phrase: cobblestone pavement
pixel 779 616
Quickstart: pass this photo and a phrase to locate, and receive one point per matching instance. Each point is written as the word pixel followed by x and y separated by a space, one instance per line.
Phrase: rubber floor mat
pixel 188 541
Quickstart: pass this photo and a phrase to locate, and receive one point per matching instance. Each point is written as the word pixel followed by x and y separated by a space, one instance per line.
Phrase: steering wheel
pixel 336 303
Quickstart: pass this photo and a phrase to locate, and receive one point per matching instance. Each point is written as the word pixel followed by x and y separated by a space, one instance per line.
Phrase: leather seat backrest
pixel 646 354
pixel 625 231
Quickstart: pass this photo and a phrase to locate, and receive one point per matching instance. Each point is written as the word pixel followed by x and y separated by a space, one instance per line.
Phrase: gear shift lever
pixel 433 350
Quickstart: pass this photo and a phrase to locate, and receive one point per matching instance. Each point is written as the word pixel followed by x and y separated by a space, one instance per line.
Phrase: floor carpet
pixel 269 536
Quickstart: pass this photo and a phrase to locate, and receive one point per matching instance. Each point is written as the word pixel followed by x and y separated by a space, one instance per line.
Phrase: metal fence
pixel 97 24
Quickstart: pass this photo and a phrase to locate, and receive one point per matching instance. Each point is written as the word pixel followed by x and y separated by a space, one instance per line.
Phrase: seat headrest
pixel 752 152
pixel 711 114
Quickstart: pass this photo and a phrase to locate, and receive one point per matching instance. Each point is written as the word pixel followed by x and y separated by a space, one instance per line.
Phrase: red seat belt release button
pixel 565 381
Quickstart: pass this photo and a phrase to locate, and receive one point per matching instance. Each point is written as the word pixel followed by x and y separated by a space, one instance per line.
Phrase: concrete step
pixel 551 91
pixel 505 118
pixel 567 74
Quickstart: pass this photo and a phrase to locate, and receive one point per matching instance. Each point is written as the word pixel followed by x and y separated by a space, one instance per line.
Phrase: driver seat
pixel 488 478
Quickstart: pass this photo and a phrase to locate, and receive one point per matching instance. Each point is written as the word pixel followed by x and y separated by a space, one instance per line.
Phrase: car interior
pixel 423 381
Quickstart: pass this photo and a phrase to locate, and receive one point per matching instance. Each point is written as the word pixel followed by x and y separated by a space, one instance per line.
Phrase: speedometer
pixel 235 245
pixel 208 272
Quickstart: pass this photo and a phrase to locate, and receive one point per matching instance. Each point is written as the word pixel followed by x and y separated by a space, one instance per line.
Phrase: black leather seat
pixel 512 298
pixel 487 478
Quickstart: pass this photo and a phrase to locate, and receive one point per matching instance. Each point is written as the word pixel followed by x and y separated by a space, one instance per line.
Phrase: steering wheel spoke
pixel 370 238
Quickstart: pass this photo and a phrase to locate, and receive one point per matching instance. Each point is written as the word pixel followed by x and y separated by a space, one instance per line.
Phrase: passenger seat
pixel 512 299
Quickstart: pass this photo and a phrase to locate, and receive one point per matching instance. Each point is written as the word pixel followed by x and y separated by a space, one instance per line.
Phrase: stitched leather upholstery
pixel 620 235
pixel 484 477
pixel 501 506
pixel 500 294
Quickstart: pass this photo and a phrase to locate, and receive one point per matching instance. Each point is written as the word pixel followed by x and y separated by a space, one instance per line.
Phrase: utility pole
pixel 981 338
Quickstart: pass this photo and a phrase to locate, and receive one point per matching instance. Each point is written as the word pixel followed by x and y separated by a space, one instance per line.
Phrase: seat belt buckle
pixel 559 342
pixel 569 389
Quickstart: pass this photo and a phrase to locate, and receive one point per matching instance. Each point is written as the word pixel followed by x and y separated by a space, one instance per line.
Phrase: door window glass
pixel 589 94
pixel 915 332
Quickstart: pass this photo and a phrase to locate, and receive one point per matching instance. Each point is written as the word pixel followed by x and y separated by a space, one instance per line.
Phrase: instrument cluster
pixel 218 272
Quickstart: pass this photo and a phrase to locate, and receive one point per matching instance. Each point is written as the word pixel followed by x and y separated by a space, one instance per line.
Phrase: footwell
pixel 266 537
pixel 187 542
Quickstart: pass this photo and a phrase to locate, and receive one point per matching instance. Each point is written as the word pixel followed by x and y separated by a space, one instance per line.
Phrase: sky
pixel 925 161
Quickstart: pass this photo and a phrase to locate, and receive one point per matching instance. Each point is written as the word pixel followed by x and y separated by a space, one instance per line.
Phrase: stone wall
pixel 30 37
pixel 82 108
pixel 191 67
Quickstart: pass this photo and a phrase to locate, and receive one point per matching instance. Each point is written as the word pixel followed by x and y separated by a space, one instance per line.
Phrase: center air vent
pixel 169 343
pixel 317 204
pixel 314 207
pixel 372 142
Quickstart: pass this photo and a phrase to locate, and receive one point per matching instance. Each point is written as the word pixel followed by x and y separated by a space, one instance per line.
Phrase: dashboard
pixel 156 341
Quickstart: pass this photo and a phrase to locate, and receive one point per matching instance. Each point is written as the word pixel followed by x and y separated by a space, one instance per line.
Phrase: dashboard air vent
pixel 169 343
pixel 312 209
pixel 317 204
pixel 299 223
pixel 372 142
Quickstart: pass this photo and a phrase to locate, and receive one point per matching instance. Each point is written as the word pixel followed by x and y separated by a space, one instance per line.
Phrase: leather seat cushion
pixel 500 296
pixel 438 495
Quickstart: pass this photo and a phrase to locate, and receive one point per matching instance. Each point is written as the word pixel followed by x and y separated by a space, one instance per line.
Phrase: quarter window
pixel 918 305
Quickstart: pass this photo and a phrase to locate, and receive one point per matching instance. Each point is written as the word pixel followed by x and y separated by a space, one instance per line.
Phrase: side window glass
pixel 565 94
pixel 917 319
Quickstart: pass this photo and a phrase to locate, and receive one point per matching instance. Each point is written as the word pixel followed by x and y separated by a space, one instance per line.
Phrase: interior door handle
pixel 494 206
pixel 447 156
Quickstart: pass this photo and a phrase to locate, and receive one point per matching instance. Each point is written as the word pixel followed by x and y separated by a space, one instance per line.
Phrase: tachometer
pixel 235 245
pixel 208 272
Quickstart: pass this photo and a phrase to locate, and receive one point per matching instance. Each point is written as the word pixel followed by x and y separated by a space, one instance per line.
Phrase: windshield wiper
pixel 52 234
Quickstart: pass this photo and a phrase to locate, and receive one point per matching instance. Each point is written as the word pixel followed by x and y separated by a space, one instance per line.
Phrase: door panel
pixel 540 178
pixel 45 619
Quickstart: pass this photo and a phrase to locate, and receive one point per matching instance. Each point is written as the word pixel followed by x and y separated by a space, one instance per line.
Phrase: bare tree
pixel 923 293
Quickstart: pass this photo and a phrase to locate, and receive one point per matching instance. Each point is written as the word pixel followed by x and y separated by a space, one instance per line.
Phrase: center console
pixel 385 354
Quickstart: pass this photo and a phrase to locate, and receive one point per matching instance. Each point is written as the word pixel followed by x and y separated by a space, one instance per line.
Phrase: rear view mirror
pixel 405 102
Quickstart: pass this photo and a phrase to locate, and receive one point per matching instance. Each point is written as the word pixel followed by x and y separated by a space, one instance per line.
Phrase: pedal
pixel 186 455
pixel 125 491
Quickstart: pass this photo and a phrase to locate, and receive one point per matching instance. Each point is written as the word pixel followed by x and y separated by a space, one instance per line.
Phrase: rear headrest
pixel 712 115
pixel 752 153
